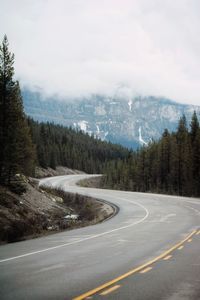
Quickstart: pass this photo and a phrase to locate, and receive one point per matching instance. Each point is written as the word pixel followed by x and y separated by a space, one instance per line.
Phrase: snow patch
pixel 140 137
pixel 98 130
pixel 130 102
pixel 71 217
pixel 83 125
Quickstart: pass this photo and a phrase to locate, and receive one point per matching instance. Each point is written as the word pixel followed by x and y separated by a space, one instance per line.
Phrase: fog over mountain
pixel 132 121
pixel 93 64
pixel 83 47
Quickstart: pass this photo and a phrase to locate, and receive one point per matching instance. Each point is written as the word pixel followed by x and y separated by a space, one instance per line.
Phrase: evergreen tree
pixel 17 151
pixel 184 157
pixel 195 141
pixel 194 127
pixel 164 162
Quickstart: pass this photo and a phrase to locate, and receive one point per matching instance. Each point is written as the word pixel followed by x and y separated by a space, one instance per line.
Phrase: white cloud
pixel 80 47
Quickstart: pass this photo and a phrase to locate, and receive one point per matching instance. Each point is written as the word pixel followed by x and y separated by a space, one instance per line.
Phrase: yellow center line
pixel 146 270
pixel 189 241
pixel 110 290
pixel 181 247
pixel 198 232
pixel 167 257
pixel 131 272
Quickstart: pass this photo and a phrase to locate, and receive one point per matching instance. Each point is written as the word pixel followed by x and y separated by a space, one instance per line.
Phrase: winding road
pixel 149 250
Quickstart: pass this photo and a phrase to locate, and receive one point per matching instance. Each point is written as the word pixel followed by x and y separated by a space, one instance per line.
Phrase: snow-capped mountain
pixel 131 122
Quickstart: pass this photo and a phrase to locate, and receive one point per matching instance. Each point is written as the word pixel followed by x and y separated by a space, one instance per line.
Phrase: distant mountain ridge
pixel 130 122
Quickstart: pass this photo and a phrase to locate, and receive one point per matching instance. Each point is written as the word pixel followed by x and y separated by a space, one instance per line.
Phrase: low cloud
pixel 75 48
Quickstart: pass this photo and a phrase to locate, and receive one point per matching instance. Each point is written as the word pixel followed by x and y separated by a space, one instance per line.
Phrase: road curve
pixel 121 258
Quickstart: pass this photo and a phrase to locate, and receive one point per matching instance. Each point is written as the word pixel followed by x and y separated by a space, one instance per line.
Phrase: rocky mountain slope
pixel 131 122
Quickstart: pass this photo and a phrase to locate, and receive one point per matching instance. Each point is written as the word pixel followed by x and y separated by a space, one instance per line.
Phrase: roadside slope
pixel 41 211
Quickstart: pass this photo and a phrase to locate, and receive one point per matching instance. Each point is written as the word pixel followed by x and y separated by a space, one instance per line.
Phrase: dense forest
pixel 17 153
pixel 58 145
pixel 170 165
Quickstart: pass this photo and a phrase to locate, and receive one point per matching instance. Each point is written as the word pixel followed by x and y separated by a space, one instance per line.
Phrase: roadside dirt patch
pixel 41 211
pixel 93 182
pixel 30 214
pixel 48 172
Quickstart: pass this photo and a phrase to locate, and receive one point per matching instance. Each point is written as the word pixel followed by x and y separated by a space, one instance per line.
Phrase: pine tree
pixel 17 151
pixel 164 160
pixel 194 127
pixel 195 141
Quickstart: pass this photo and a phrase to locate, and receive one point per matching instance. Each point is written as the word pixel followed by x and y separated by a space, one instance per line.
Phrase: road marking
pixel 181 247
pixel 165 218
pixel 146 270
pixel 198 232
pixel 87 238
pixel 110 290
pixel 189 241
pixel 131 272
pixel 167 257
pixel 194 209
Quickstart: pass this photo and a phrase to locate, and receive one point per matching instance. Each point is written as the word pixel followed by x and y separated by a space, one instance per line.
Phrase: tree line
pixel 60 146
pixel 170 165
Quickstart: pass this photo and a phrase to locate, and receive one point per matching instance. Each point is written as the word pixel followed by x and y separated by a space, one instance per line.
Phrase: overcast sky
pixel 79 47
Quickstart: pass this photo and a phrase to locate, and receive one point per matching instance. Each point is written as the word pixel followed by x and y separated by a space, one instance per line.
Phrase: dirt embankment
pixel 93 182
pixel 49 172
pixel 39 212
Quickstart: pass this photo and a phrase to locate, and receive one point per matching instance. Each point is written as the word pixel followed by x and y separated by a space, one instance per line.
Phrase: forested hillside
pixel 130 121
pixel 170 165
pixel 58 145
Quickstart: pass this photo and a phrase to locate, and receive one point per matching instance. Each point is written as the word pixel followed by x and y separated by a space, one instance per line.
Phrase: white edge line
pixel 85 239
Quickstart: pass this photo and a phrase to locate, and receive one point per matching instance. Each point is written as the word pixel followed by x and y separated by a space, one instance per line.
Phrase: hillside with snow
pixel 130 122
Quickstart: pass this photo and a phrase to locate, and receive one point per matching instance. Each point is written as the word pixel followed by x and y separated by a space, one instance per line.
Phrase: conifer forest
pixel 170 165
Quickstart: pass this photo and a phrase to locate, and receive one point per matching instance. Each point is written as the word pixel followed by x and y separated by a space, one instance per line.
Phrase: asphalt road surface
pixel 149 250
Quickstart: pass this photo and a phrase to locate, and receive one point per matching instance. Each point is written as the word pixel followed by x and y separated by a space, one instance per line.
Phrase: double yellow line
pixel 131 272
